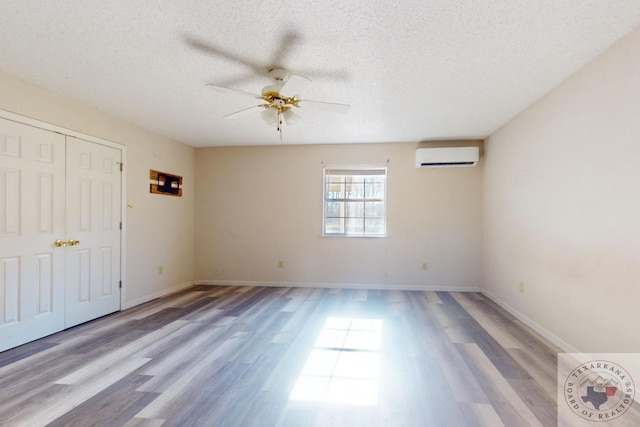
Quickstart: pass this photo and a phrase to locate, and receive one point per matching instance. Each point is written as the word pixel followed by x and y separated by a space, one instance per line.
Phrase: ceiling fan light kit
pixel 270 116
pixel 290 118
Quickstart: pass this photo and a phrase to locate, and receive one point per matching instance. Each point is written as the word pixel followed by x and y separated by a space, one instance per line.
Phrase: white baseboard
pixel 381 287
pixel 565 346
pixel 159 294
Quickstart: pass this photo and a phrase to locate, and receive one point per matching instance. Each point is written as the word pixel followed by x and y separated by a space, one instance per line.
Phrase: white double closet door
pixel 60 232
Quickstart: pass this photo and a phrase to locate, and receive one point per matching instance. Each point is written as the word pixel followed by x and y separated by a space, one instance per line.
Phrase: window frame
pixel 361 170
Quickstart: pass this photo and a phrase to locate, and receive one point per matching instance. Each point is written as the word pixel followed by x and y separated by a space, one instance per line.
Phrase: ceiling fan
pixel 278 100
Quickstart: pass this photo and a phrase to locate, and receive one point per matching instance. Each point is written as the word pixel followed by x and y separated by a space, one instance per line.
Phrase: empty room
pixel 324 214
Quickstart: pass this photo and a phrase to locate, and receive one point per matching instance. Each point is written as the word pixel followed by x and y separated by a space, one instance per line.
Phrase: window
pixel 354 202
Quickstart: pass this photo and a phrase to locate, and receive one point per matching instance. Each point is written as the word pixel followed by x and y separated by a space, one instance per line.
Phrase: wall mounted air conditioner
pixel 447 157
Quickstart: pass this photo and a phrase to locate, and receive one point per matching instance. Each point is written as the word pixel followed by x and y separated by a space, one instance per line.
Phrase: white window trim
pixel 354 168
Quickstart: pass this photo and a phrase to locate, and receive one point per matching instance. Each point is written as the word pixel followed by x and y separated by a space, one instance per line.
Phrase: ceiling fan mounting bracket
pixel 279 74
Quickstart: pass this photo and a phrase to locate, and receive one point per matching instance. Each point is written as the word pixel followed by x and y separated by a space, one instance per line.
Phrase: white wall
pixel 258 205
pixel 160 229
pixel 562 206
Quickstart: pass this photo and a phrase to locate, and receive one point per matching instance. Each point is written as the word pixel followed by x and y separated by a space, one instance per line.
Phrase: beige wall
pixel 258 205
pixel 562 206
pixel 160 229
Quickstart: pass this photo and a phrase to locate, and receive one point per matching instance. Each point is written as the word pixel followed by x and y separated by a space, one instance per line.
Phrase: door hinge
pixel 121 167
pixel 120 284
pixel 120 225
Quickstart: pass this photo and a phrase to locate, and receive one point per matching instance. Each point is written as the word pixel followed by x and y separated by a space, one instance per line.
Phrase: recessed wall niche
pixel 165 183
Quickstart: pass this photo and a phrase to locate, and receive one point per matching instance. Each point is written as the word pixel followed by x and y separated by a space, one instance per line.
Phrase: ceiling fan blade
pixel 294 85
pixel 210 48
pixel 325 106
pixel 243 112
pixel 288 41
pixel 222 89
pixel 316 74
pixel 244 79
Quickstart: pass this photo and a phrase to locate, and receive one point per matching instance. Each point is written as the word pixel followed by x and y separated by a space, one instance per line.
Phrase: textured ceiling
pixel 411 70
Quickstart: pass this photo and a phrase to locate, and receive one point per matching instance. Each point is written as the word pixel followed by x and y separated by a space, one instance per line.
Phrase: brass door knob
pixel 73 242
pixel 59 243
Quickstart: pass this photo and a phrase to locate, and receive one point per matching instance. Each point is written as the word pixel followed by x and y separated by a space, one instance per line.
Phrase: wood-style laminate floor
pixel 252 356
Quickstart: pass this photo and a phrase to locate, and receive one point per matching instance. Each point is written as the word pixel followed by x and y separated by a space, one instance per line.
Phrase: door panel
pixel 32 191
pixel 93 219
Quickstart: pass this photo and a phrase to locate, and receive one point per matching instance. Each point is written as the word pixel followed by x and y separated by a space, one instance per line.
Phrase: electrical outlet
pixel 425 266
pixel 521 287
pixel 280 264
pixel 160 269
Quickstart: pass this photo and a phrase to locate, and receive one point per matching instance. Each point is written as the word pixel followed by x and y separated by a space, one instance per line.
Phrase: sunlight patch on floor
pixel 344 364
